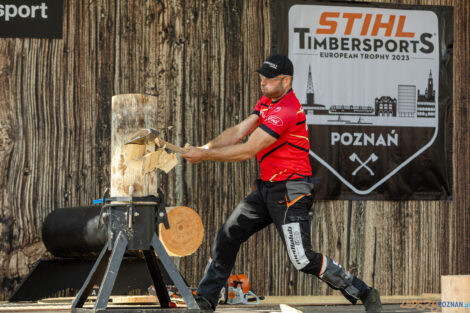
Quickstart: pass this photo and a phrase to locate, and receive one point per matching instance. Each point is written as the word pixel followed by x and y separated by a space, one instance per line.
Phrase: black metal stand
pixel 124 236
pixel 49 277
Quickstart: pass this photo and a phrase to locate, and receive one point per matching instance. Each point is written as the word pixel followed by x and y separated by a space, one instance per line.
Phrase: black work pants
pixel 286 204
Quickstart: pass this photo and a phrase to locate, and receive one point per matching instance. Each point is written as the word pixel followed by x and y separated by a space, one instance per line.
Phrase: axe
pixel 146 135
pixel 354 157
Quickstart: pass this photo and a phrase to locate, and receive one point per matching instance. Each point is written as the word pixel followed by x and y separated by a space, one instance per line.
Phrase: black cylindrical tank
pixel 74 232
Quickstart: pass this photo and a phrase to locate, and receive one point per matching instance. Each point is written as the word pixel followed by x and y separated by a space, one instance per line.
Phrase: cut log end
pixel 185 233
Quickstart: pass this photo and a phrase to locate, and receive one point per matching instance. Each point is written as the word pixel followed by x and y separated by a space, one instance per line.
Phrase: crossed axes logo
pixel 372 158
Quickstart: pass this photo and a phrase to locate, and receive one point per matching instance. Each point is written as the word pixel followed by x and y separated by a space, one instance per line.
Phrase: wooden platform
pixel 306 304
pixel 388 308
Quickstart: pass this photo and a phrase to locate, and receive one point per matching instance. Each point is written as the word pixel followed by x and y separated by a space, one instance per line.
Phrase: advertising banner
pixel 31 18
pixel 376 86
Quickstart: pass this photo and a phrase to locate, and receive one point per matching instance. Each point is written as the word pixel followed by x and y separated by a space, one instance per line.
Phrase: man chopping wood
pixel 284 192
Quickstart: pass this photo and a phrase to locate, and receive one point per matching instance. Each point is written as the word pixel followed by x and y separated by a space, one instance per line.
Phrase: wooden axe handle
pixel 161 143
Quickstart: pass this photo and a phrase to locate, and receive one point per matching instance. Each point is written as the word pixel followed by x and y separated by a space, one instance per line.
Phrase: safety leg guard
pixel 338 278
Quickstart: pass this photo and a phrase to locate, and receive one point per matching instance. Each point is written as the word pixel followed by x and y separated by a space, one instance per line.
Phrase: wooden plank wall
pixel 198 58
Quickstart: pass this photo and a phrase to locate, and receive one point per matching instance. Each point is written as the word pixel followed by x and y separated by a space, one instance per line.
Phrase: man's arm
pixel 235 134
pixel 258 140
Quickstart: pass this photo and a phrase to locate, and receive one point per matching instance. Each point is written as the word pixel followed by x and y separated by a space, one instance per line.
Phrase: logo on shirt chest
pixel 274 120
pixel 264 112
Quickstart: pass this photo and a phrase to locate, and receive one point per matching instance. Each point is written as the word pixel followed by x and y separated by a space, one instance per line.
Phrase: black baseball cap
pixel 276 65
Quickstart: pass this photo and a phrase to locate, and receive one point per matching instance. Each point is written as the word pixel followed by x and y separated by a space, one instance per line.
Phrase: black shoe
pixel 204 305
pixel 372 302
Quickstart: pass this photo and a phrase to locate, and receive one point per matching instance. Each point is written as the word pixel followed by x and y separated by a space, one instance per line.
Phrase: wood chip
pixel 150 147
pixel 288 309
pixel 135 299
pixel 159 159
pixel 151 160
pixel 169 162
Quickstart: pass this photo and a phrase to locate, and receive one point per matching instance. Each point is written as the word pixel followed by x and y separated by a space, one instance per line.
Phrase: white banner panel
pixel 368 80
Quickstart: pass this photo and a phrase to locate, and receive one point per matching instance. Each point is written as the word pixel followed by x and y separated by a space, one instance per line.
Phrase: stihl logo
pixel 365 32
pixel 370 24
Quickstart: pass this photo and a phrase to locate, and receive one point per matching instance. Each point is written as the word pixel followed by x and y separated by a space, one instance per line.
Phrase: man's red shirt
pixel 285 120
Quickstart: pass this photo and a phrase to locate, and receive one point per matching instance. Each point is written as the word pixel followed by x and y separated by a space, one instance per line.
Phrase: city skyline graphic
pixel 408 103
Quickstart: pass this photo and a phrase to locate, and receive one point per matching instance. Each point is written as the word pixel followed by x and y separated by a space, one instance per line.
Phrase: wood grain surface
pixel 198 59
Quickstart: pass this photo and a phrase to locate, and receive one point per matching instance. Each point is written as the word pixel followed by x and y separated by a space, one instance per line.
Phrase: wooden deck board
pixel 306 304
pixel 269 300
pixel 390 308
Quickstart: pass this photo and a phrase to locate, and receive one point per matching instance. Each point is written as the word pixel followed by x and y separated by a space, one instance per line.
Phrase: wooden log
pixel 131 112
pixel 455 292
pixel 185 233
pixel 135 152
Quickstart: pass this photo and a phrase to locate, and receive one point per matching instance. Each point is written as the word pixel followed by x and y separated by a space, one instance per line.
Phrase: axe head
pixel 143 136
pixel 353 157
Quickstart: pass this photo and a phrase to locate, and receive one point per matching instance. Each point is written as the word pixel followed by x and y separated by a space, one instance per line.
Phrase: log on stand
pixel 125 223
pixel 75 236
pixel 76 232
pixel 131 112
pixel 134 210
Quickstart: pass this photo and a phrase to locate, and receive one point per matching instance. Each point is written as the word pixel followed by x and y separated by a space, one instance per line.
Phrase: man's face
pixel 275 87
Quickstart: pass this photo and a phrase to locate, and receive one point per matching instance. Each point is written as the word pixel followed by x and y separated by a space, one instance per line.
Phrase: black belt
pixel 309 179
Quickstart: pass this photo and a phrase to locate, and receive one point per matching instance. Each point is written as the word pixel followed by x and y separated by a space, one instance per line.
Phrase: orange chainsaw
pixel 237 291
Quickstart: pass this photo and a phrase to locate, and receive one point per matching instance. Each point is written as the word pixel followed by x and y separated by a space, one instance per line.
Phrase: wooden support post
pixel 131 112
pixel 455 289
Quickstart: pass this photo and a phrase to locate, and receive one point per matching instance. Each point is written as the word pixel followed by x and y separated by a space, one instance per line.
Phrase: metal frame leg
pixel 111 272
pixel 173 273
pixel 96 273
pixel 158 282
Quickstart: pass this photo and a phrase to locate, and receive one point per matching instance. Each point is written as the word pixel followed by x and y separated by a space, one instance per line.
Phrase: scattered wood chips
pixel 159 159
